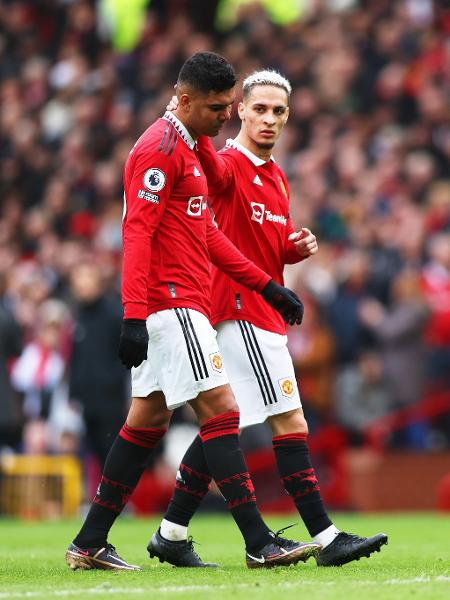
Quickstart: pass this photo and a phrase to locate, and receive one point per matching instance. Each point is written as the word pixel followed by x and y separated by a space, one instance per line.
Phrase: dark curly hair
pixel 207 72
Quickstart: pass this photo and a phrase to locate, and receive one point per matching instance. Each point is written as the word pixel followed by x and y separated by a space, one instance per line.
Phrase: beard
pixel 265 145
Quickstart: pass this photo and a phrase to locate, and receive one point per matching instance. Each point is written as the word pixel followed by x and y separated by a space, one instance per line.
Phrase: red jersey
pixel 169 239
pixel 436 287
pixel 250 201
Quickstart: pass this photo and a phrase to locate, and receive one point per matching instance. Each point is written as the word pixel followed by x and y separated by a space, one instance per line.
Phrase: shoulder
pixel 160 139
pixel 235 159
pixel 230 153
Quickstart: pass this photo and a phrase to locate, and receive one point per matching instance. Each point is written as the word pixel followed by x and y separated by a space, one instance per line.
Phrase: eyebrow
pixel 262 105
pixel 216 105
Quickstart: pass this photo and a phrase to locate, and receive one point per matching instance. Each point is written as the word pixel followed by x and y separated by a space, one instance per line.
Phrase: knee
pixel 290 422
pixel 215 402
pixel 224 403
pixel 149 413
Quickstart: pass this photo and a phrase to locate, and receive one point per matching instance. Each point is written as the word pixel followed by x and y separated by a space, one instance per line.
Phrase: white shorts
pixel 260 370
pixel 183 357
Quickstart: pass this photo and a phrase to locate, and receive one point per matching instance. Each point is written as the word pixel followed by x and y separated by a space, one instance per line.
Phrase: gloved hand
pixel 133 342
pixel 286 302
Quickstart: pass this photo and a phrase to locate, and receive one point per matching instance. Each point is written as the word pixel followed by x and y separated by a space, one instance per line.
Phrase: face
pixel 264 113
pixel 205 114
pixel 86 282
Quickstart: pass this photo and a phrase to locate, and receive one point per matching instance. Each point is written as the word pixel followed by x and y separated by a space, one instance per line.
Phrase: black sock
pixel 191 485
pixel 299 480
pixel 123 468
pixel 226 464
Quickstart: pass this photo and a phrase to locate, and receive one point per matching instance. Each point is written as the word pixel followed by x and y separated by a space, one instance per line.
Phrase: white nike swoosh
pixel 259 560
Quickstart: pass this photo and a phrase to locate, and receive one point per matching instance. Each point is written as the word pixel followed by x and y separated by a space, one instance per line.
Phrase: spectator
pixel 312 350
pixel 366 148
pixel 399 331
pixel 38 375
pixel 97 380
pixel 362 394
pixel 10 347
pixel 436 285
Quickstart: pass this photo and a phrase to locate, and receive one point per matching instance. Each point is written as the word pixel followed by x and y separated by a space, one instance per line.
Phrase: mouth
pixel 267 133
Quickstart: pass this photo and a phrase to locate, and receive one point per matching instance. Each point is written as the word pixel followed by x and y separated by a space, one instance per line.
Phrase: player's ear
pixel 241 111
pixel 184 101
pixel 286 115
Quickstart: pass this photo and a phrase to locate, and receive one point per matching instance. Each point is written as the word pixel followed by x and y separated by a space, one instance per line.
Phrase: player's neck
pixel 181 116
pixel 262 153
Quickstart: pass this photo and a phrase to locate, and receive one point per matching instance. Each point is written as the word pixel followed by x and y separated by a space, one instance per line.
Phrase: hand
pixel 305 242
pixel 285 302
pixel 371 312
pixel 173 104
pixel 133 342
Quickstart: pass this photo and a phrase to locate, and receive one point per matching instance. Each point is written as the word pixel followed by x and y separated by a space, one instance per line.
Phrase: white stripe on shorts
pixel 192 344
pixel 258 363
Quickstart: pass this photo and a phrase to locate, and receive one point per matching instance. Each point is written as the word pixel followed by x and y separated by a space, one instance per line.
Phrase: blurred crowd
pixel 367 153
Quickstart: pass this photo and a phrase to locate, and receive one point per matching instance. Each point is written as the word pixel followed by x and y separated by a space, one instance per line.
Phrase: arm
pixel 217 170
pixel 391 326
pixel 146 191
pixel 224 254
pixel 144 208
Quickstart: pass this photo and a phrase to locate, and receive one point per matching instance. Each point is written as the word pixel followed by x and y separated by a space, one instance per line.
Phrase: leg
pixel 216 451
pixel 297 474
pixel 219 420
pixel 290 431
pixel 147 421
pixel 193 366
pixel 218 416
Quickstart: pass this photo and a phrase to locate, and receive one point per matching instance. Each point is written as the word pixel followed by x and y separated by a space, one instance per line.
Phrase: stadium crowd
pixel 367 153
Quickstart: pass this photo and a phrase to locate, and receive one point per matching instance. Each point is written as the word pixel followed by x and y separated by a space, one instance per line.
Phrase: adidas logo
pixel 197 172
pixel 257 180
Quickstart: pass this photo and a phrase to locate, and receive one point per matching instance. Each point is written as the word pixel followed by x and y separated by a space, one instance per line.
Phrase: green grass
pixel 415 564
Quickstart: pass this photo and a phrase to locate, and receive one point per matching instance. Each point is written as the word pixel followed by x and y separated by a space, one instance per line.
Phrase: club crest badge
pixel 216 362
pixel 283 187
pixel 287 387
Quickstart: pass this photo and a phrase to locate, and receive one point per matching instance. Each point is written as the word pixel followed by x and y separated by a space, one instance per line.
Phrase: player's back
pixel 164 218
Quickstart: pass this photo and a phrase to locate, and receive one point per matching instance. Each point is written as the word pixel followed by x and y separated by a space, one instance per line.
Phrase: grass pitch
pixel 415 564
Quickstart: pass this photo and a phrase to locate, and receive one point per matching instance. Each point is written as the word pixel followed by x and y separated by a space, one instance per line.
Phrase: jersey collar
pixel 255 159
pixel 180 128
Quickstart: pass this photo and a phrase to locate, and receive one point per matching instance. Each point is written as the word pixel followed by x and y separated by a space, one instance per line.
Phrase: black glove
pixel 133 342
pixel 284 301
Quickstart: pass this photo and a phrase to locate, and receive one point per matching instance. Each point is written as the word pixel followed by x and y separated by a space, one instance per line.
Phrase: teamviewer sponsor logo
pixel 195 206
pixel 258 212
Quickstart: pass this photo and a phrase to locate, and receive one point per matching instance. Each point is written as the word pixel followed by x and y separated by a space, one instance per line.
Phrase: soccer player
pixel 250 199
pixel 166 338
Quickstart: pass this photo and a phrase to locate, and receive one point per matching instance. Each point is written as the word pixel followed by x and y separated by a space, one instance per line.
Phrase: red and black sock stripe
pixel 146 437
pixel 123 468
pixel 216 427
pixel 227 465
pixel 191 485
pixel 300 481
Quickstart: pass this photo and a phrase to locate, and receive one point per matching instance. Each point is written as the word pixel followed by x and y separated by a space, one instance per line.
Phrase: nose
pixel 269 119
pixel 226 114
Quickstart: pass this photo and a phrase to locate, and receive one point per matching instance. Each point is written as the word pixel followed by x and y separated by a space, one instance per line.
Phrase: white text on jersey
pixel 259 212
